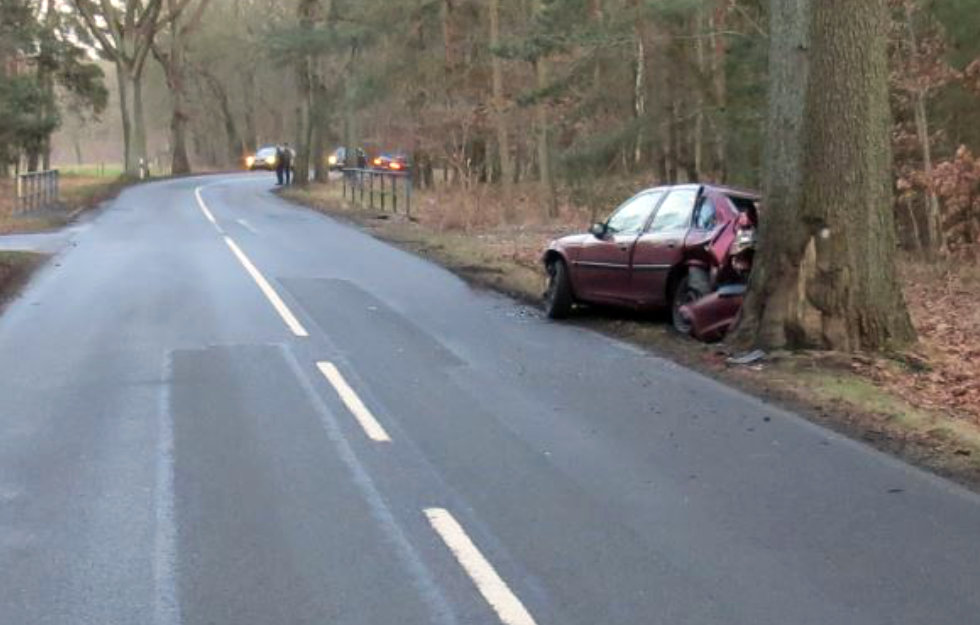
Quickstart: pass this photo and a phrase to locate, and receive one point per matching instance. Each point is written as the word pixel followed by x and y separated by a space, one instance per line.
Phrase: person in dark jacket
pixel 287 163
pixel 280 158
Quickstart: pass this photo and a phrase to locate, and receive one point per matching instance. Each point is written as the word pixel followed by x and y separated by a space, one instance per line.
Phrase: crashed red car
pixel 664 247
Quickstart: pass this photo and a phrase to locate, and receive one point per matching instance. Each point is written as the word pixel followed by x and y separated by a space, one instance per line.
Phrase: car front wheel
pixel 558 298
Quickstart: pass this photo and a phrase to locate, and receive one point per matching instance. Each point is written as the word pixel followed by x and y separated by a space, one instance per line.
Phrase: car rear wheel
pixel 692 287
pixel 558 298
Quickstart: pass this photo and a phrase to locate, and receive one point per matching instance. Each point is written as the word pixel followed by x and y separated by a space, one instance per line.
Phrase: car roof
pixel 733 191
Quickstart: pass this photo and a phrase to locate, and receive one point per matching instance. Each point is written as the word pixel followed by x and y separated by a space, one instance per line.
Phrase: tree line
pixel 564 97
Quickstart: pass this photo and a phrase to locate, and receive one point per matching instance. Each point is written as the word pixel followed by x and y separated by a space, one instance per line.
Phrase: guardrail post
pixel 394 195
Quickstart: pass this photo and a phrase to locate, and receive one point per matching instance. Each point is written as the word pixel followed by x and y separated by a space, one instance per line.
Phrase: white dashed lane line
pixel 354 404
pixel 494 589
pixel 267 290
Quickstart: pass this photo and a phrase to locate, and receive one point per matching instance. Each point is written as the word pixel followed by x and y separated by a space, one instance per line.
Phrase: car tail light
pixel 395 165
pixel 377 161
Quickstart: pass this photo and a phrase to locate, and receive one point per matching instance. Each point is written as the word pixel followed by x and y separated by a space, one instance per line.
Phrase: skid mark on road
pixel 357 408
pixel 494 589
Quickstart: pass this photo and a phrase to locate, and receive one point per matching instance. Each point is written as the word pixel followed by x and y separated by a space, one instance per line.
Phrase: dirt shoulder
pixel 923 407
pixel 15 270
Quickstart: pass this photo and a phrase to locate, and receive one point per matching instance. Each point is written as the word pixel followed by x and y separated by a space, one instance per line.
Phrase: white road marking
pixel 166 606
pixel 203 206
pixel 441 611
pixel 247 226
pixel 357 408
pixel 504 602
pixel 267 290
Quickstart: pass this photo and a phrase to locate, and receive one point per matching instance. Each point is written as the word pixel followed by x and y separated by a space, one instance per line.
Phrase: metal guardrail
pixel 362 185
pixel 37 189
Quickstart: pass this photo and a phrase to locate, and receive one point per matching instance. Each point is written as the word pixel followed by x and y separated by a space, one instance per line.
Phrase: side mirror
pixel 598 230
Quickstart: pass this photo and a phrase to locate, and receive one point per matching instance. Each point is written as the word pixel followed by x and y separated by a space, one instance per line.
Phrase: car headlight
pixel 270 160
pixel 332 159
pixel 250 160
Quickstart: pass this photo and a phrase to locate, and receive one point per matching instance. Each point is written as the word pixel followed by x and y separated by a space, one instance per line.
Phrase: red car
pixel 664 247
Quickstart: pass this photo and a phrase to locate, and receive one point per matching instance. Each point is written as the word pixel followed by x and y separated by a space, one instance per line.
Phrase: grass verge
pixel 15 269
pixel 78 194
pixel 871 399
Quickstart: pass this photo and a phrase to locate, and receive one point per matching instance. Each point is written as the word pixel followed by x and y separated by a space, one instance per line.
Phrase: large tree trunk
pixel 847 190
pixel 248 100
pixel 827 276
pixel 129 164
pixel 503 141
pixel 139 121
pixel 769 315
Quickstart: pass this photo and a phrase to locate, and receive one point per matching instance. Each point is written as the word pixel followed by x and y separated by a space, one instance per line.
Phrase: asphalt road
pixel 273 418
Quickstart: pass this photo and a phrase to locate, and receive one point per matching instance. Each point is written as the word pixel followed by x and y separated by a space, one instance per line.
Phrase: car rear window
pixel 746 205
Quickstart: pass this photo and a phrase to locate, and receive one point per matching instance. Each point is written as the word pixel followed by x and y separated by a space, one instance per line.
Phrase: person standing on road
pixel 287 163
pixel 280 157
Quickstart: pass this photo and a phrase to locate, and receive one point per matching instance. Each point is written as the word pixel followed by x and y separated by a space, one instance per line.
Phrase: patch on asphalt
pixel 359 322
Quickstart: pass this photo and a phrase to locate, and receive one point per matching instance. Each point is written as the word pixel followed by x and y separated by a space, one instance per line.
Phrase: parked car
pixel 344 157
pixel 663 247
pixel 390 162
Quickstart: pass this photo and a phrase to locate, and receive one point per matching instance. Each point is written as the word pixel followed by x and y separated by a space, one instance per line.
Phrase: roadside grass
pixel 78 193
pixel 92 170
pixel 922 406
pixel 15 268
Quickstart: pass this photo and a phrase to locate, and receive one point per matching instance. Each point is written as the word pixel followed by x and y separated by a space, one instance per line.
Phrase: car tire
pixel 558 299
pixel 693 286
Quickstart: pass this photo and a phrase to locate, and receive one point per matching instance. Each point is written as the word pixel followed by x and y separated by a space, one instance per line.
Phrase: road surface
pixel 219 408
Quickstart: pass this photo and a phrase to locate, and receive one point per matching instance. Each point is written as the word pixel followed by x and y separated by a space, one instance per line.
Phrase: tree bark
pixel 847 191
pixel 769 314
pixel 827 274
pixel 139 120
pixel 129 164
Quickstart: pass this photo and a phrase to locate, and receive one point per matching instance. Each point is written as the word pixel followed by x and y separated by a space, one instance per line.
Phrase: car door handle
pixel 671 243
pixel 624 247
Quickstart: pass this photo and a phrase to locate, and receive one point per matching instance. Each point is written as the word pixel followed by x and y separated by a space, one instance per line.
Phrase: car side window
pixel 632 215
pixel 706 217
pixel 675 212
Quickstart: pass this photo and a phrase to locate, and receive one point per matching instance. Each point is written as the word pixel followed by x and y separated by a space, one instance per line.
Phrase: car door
pixel 600 273
pixel 660 247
